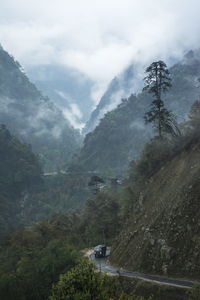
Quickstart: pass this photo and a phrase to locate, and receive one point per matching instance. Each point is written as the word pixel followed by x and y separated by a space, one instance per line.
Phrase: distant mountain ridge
pixel 32 117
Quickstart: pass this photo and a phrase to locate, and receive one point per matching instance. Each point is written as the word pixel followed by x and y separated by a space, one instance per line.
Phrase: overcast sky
pixel 98 37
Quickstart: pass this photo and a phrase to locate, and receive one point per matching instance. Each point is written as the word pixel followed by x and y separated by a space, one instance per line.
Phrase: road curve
pixel 103 265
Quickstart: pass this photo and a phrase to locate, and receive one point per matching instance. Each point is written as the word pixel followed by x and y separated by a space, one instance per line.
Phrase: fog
pixel 98 38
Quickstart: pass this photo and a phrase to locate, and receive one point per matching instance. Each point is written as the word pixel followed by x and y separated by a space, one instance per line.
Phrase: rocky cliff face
pixel 163 234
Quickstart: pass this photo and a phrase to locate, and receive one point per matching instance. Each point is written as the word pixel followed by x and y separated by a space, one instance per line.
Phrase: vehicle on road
pixel 100 251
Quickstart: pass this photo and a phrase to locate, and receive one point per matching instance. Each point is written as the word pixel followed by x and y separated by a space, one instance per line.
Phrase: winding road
pixel 103 265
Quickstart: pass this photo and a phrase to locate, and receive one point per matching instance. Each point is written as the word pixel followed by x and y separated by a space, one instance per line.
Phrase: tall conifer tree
pixel 157 82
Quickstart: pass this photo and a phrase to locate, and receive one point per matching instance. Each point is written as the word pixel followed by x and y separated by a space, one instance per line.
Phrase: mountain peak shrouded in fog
pixel 130 81
pixel 32 117
pixel 98 38
pixel 127 83
pixel 191 57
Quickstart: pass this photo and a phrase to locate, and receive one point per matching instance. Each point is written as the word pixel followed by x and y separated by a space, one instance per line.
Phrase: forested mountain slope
pixel 120 87
pixel 121 133
pixel 26 195
pixel 117 140
pixel 162 233
pixel 20 174
pixel 184 75
pixel 32 117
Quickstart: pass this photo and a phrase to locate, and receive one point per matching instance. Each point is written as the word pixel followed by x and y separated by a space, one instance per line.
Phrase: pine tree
pixel 157 82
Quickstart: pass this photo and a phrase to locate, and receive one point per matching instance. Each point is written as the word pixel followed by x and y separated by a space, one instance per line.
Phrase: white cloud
pixel 73 113
pixel 72 118
pixel 98 37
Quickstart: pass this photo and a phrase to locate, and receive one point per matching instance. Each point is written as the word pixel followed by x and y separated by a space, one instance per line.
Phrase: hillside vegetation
pixel 26 196
pixel 116 141
pixel 20 174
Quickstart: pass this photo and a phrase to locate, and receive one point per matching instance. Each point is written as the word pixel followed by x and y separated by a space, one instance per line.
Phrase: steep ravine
pixel 163 233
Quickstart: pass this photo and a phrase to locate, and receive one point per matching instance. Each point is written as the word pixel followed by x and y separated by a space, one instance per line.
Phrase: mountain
pixel 69 89
pixel 120 87
pixel 121 133
pixel 162 233
pixel 32 117
pixel 117 140
pixel 130 81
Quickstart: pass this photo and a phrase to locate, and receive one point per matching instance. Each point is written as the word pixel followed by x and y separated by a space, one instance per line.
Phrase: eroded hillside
pixel 163 232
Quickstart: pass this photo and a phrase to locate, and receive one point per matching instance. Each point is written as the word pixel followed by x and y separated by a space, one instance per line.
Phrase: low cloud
pixel 74 115
pixel 99 38
pixel 72 112
pixel 41 117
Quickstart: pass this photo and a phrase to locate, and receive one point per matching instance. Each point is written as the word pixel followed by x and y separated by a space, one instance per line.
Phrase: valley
pixel 130 179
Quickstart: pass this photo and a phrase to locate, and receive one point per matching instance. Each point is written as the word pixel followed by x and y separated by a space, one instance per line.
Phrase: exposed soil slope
pixel 163 234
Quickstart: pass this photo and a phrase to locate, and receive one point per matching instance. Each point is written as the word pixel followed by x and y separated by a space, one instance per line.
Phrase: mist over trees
pixel 33 118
